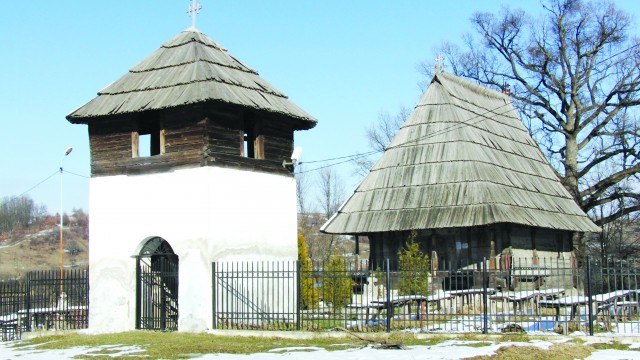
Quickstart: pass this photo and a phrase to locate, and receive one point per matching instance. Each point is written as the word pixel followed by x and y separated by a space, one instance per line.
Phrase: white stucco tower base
pixel 206 214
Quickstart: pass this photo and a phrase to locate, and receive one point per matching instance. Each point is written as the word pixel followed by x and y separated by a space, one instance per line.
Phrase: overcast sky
pixel 342 61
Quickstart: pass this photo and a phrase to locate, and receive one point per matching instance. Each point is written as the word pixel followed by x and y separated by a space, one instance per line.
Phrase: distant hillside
pixel 38 248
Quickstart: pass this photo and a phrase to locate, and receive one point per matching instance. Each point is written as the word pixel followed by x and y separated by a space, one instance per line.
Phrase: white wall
pixel 206 214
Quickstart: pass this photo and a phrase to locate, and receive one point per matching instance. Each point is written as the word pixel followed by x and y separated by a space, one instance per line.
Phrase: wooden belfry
pixel 187 150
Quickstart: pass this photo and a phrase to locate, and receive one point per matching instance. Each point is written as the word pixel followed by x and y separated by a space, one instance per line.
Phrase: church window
pixel 148 140
pixel 251 142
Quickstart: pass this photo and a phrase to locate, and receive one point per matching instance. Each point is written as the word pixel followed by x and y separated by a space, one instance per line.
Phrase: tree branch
pixel 600 187
pixel 617 215
pixel 615 196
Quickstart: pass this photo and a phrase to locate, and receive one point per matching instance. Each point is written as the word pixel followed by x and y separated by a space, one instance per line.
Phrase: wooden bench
pixel 10 327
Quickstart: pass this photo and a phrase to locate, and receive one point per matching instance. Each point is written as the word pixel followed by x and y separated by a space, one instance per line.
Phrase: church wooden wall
pixel 111 147
pixel 459 247
pixel 223 136
pixel 193 137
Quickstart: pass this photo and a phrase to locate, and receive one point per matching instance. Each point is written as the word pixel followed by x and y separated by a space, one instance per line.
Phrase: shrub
pixel 336 285
pixel 310 295
pixel 413 265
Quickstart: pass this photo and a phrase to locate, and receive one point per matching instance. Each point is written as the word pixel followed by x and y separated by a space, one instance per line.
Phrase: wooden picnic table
pixel 374 307
pixel 530 273
pixel 617 300
pixel 565 302
pixel 49 317
pixel 600 301
pixel 469 294
pixel 519 298
pixel 10 326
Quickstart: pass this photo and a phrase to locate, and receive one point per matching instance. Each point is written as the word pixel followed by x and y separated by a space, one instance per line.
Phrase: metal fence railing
pixel 42 300
pixel 255 295
pixel 534 296
pixel 516 295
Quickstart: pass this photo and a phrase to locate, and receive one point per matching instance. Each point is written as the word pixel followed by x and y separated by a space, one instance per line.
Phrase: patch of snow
pixel 32 352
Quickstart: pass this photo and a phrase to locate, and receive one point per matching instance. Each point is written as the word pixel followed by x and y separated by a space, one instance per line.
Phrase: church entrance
pixel 157 286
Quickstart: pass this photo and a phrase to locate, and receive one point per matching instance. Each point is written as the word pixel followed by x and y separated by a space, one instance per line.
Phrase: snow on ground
pixel 447 350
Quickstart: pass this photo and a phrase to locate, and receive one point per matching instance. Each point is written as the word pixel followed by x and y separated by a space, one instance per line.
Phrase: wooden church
pixel 465 178
pixel 187 167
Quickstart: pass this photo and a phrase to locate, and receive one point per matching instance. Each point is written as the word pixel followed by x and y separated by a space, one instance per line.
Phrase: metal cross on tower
pixel 193 10
pixel 439 66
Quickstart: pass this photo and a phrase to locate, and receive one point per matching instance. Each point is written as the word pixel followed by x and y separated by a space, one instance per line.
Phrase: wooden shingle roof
pixel 190 68
pixel 463 158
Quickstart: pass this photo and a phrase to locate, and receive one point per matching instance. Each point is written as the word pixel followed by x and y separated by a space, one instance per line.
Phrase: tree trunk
pixel 570 180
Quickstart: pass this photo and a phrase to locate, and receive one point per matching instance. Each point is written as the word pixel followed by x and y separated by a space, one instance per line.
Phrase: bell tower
pixel 187 167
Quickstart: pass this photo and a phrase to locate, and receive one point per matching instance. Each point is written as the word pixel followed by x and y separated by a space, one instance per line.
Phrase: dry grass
pixel 40 251
pixel 567 351
pixel 164 345
pixel 159 345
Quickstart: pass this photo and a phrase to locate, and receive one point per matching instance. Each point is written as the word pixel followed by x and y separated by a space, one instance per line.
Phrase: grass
pixel 163 345
pixel 615 345
pixel 160 345
pixel 568 351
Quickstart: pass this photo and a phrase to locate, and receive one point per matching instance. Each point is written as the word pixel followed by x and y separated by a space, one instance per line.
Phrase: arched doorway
pixel 157 286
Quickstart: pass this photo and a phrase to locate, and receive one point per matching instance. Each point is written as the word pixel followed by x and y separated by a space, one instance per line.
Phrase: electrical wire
pixel 49 177
pixel 619 53
pixel 349 158
pixel 79 175
pixel 357 156
pixel 341 157
pixel 454 126
pixel 40 183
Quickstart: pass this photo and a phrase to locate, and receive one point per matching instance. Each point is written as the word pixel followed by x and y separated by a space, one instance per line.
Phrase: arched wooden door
pixel 157 286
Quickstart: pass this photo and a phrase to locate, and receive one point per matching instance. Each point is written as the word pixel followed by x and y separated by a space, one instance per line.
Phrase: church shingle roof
pixel 188 69
pixel 462 158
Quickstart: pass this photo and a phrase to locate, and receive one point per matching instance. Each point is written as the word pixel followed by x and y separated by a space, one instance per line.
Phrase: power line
pixel 353 157
pixel 452 127
pixel 49 177
pixel 79 175
pixel 40 183
pixel 619 53
pixel 479 118
pixel 341 157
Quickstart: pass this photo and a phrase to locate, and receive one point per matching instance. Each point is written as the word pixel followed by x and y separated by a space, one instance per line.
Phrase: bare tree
pixel 309 222
pixel 331 192
pixel 379 135
pixel 330 198
pixel 576 78
pixel 318 244
pixel 619 239
pixel 19 212
pixel 303 186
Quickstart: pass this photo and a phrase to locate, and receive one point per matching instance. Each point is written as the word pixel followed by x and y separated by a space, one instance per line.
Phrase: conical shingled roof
pixel 463 158
pixel 190 68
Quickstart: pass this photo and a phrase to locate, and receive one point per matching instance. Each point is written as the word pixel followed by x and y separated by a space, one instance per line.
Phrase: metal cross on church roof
pixel 193 10
pixel 439 66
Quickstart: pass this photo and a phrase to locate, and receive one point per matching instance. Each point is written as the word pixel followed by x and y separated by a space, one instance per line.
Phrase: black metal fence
pixel 256 295
pixel 509 295
pixel 44 301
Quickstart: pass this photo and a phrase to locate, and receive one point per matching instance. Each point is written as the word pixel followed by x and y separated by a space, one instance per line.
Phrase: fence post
pixel 27 300
pixel 214 324
pixel 485 283
pixel 298 294
pixel 389 308
pixel 589 296
pixel 138 294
